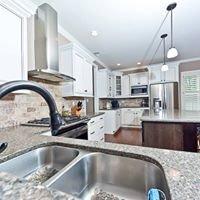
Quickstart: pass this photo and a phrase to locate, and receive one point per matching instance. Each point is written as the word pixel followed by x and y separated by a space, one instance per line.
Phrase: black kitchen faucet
pixel 55 118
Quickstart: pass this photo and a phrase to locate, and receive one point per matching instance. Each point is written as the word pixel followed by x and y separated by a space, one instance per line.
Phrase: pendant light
pixel 172 52
pixel 164 67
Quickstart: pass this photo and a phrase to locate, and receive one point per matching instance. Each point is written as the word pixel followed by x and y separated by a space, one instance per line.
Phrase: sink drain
pixel 42 174
pixel 99 194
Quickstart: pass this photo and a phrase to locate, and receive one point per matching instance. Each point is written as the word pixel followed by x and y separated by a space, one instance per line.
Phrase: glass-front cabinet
pixel 118 85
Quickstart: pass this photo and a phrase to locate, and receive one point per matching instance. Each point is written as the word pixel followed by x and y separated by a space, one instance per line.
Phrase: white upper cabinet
pixel 87 77
pixel 11 42
pixel 64 53
pixel 139 79
pixel 78 74
pixel 156 75
pixel 105 84
pixel 126 89
pixel 117 83
pixel 75 62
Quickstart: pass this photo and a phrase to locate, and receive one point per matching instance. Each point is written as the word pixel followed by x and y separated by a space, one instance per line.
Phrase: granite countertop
pixel 182 169
pixel 91 115
pixel 172 116
pixel 123 107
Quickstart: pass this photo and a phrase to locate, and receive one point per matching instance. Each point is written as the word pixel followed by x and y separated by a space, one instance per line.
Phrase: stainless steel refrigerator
pixel 164 96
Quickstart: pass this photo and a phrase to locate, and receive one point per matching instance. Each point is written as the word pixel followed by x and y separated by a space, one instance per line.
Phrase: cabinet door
pixel 139 79
pixel 101 84
pixel 137 117
pixel 155 75
pixel 134 79
pixel 78 73
pixel 65 61
pixel 110 85
pixel 118 119
pixel 110 122
pixel 171 74
pixel 144 79
pixel 11 46
pixel 118 85
pixel 127 117
pixel 126 85
pixel 88 80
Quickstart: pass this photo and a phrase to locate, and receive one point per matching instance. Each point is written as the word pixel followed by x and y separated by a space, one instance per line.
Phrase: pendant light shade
pixel 164 67
pixel 172 52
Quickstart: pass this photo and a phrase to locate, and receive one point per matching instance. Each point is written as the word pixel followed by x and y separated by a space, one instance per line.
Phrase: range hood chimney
pixel 45 53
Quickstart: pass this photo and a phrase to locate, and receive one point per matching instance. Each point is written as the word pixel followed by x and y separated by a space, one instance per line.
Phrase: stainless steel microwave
pixel 139 90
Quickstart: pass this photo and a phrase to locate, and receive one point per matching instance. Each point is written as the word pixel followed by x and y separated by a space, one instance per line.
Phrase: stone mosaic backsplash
pixel 20 108
pixel 123 103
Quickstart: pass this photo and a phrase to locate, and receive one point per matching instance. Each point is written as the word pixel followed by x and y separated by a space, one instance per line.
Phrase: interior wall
pixel 187 66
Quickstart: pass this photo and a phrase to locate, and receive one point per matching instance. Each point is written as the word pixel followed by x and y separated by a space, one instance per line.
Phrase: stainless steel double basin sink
pixel 88 175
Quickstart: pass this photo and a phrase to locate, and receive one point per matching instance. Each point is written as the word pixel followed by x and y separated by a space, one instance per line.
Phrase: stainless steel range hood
pixel 45 63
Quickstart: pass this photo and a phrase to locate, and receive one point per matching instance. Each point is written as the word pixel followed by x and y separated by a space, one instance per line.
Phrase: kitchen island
pixel 175 130
pixel 182 169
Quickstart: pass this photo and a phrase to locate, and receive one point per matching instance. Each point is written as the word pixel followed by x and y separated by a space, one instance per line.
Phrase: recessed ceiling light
pixel 94 33
pixel 118 64
pixel 138 63
pixel 97 54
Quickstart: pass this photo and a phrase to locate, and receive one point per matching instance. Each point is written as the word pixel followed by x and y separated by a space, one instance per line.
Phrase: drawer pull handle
pixel 102 127
pixel 92 122
pixel 101 118
pixel 92 133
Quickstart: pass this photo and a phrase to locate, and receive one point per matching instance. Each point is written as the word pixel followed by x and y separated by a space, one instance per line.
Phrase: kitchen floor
pixel 131 136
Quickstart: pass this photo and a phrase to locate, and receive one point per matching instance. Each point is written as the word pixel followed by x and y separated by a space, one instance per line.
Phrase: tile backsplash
pixel 20 108
pixel 123 103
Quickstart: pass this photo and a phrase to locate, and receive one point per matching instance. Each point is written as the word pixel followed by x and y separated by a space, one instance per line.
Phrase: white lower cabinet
pixel 112 120
pixel 127 116
pixel 96 128
pixel 124 117
pixel 131 116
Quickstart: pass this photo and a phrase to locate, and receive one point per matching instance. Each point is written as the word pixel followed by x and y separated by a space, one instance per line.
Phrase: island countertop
pixel 182 169
pixel 181 116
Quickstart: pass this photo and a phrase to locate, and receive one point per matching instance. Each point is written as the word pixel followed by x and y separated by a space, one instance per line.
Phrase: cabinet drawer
pixel 96 127
pixel 95 120
pixel 96 132
pixel 93 135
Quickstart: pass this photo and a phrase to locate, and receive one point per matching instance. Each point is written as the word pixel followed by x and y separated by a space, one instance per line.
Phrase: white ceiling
pixel 126 27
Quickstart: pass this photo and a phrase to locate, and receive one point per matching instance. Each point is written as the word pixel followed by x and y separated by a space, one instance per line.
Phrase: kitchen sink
pixel 40 164
pixel 103 176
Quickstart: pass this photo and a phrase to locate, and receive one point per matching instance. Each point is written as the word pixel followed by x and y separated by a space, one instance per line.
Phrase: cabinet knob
pixel 102 127
pixel 85 90
pixel 92 133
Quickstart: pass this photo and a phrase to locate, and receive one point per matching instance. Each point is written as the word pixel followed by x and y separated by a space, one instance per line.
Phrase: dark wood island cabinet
pixel 177 130
pixel 167 135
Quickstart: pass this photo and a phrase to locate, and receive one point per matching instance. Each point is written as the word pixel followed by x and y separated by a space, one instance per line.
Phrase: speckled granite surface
pixel 182 169
pixel 13 188
pixel 172 116
pixel 91 115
